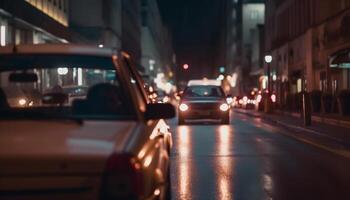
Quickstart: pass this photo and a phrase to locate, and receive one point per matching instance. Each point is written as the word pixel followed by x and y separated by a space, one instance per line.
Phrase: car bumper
pixel 203 114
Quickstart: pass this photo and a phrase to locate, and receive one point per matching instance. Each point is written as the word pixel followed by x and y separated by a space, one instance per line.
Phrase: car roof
pixel 60 48
pixel 204 82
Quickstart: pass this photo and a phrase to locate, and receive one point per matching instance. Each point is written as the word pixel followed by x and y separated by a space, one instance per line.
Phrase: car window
pixel 203 91
pixel 136 76
pixel 85 87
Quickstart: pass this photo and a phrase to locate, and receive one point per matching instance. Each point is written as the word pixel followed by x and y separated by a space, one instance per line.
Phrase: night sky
pixel 195 25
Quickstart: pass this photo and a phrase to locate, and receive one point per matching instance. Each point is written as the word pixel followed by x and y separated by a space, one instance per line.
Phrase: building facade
pixel 310 43
pixel 109 23
pixel 28 22
pixel 157 48
pixel 98 21
pixel 244 33
pixel 131 29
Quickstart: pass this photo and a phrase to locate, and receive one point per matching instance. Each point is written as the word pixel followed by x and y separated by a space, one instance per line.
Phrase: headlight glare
pixel 22 102
pixel 183 107
pixel 224 107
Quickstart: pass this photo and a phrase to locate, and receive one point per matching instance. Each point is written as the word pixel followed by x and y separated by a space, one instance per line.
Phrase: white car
pixel 110 144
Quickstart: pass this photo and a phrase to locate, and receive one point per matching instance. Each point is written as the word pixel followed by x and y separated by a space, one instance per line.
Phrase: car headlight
pixel 229 100
pixel 166 99
pixel 22 102
pixel 273 98
pixel 183 107
pixel 224 107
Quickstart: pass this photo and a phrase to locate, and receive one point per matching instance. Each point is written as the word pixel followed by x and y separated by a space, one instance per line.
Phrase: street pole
pixel 267 98
pixel 306 112
pixel 268 78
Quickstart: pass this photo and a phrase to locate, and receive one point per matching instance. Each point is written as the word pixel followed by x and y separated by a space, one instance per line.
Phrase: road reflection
pixel 184 141
pixel 224 163
pixel 185 168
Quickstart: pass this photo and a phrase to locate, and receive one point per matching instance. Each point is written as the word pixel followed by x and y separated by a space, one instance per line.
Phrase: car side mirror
pixel 160 111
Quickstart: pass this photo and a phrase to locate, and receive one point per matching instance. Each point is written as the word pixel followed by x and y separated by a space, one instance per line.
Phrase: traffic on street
pixel 251 159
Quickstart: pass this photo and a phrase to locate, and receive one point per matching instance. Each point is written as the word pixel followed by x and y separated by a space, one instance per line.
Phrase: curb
pixel 344 151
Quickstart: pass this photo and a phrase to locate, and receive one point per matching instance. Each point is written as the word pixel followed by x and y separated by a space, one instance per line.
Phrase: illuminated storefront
pixel 34 22
pixel 56 9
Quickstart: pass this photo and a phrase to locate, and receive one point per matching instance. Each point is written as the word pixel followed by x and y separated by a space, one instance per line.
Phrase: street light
pixel 185 66
pixel 268 59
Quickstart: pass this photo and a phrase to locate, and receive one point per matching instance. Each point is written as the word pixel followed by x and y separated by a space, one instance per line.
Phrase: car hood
pixel 61 146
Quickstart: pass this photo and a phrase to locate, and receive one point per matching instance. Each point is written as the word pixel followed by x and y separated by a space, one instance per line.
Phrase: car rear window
pixel 41 86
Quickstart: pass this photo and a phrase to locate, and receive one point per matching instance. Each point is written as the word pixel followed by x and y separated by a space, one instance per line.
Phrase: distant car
pixel 203 102
pixel 162 97
pixel 110 143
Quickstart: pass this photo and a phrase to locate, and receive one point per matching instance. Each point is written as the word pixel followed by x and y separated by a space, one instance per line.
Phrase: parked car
pixel 108 144
pixel 204 102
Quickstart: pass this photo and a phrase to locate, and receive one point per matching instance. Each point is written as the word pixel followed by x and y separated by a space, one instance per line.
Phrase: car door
pixel 155 149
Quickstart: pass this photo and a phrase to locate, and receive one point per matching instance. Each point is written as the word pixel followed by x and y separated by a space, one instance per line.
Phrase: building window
pixel 3 35
pixel 54 9
pixel 18 36
pixel 254 14
pixel 299 85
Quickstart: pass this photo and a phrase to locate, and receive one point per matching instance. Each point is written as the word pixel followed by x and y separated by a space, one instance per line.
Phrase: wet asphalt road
pixel 250 160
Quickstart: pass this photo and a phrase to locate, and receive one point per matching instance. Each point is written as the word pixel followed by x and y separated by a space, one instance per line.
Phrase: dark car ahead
pixel 204 102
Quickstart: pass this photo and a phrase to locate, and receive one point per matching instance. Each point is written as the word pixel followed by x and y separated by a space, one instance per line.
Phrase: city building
pixel 98 21
pixel 157 50
pixel 29 21
pixel 131 29
pixel 244 43
pixel 309 41
pixel 109 23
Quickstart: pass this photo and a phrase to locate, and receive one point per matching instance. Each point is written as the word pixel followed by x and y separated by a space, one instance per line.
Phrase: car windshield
pixel 203 91
pixel 61 86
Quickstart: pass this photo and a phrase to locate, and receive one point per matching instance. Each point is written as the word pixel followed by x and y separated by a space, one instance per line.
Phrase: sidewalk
pixel 330 119
pixel 331 137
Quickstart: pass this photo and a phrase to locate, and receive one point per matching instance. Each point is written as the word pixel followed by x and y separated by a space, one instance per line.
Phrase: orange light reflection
pixel 184 141
pixel 224 163
pixel 184 169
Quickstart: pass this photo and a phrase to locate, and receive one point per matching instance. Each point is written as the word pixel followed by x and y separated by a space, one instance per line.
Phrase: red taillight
pixel 123 178
pixel 273 98
pixel 259 98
